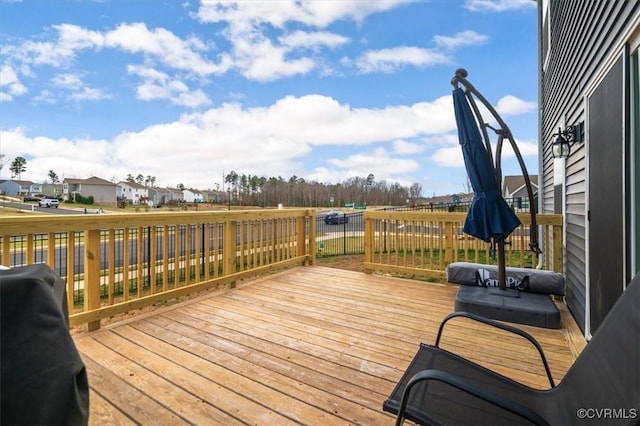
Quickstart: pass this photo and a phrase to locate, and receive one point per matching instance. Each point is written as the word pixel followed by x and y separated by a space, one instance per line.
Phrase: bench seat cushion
pixel 477 274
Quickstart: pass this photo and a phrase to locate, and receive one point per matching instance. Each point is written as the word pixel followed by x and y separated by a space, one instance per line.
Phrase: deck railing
pixel 115 263
pixel 422 244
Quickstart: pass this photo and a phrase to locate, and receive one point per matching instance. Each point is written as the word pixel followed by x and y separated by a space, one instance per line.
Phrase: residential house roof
pixel 511 184
pixel 19 182
pixel 159 190
pixel 134 185
pixel 94 180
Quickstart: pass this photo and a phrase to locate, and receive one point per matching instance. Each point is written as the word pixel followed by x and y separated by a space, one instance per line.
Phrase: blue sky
pixel 324 90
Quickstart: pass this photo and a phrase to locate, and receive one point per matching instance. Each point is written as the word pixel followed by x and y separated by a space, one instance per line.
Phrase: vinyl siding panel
pixel 583 34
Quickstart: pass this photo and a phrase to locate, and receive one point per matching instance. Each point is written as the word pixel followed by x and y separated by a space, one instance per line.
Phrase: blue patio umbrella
pixel 489 218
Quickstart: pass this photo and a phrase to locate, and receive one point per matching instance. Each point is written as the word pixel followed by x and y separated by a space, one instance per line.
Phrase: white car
pixel 49 202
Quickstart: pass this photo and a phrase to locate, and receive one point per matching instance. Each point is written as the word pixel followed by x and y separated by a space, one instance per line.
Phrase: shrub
pixel 79 199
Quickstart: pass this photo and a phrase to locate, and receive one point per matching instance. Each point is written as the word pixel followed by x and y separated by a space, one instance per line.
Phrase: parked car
pixel 33 197
pixel 336 218
pixel 49 202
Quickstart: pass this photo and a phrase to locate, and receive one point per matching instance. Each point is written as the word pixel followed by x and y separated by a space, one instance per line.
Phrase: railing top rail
pixel 525 218
pixel 60 223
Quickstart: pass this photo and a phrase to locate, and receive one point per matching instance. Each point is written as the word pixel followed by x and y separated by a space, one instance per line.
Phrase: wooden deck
pixel 310 345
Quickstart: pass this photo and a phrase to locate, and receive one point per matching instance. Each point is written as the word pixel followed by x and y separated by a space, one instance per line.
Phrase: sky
pixel 324 90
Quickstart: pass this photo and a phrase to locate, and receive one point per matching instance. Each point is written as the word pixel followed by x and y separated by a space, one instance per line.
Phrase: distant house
pixel 514 186
pixel 19 188
pixel 102 191
pixel 133 192
pixel 176 195
pixel 515 190
pixel 54 190
pixel 212 197
pixel 192 195
pixel 159 196
pixel 445 200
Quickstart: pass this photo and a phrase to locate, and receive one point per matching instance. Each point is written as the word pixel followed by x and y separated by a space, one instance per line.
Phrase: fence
pixel 346 236
pixel 424 243
pixel 116 263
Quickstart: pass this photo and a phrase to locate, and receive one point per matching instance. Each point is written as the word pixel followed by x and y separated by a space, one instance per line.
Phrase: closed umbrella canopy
pixel 489 217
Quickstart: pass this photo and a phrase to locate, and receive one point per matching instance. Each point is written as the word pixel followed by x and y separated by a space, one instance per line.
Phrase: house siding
pixel 102 194
pixel 585 39
pixel 102 191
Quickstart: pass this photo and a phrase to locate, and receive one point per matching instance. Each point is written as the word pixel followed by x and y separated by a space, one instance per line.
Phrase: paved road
pixel 34 207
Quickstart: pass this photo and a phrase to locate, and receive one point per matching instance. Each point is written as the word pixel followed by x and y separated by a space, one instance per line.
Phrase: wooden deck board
pixel 310 345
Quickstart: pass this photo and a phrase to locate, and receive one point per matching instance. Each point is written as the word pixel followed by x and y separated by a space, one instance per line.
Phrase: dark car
pixel 33 197
pixel 336 218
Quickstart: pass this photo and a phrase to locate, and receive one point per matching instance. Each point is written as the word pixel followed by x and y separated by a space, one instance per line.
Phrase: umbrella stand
pixel 502 268
pixel 502 132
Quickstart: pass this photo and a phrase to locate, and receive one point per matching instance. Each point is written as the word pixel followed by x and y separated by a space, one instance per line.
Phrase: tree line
pixel 252 190
pixel 244 189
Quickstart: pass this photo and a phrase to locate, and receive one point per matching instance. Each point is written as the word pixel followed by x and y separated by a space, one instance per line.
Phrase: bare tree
pixel 415 191
pixel 18 166
pixel 53 176
pixel 467 186
pixel 2 161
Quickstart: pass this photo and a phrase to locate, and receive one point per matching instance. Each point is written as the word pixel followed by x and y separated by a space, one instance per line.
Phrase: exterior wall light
pixel 564 140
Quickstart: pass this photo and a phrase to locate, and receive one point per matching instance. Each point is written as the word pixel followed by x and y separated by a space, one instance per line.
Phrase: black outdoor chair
pixel 602 386
pixel 43 380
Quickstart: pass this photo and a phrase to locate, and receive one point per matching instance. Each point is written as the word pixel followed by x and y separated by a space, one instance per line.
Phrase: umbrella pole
pixel 502 279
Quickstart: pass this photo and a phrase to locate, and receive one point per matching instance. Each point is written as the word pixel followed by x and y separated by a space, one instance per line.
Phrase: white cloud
pixel 526 148
pixel 404 147
pixel 498 5
pixel 263 61
pixel 67 81
pixel 390 60
pixel 45 97
pixel 317 14
pixel 259 57
pixel 159 85
pixel 78 91
pixel 311 40
pixel 450 156
pixel 464 38
pixel 196 148
pixel 10 84
pixel 510 105
pixel 378 162
pixel 165 47
pixel 88 94
pixel 157 46
pixel 62 51
pixel 86 157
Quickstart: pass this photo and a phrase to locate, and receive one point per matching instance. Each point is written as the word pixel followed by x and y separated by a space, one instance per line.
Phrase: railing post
pixel 448 244
pixel 92 274
pixel 230 249
pixel 369 241
pixel 303 237
pixel 557 249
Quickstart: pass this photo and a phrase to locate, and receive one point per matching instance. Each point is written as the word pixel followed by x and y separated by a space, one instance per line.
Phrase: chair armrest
pixel 486 395
pixel 501 326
